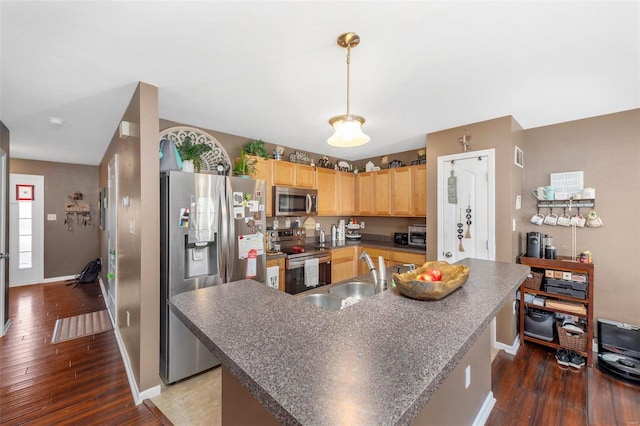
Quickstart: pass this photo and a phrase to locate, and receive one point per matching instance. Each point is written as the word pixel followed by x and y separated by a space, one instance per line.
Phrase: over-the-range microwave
pixel 289 201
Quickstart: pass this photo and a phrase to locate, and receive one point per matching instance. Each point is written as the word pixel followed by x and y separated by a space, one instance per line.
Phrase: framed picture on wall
pixel 518 158
pixel 25 192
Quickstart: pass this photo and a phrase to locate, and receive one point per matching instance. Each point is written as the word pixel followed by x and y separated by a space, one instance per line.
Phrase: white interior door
pixel 466 218
pixel 26 229
pixel 111 209
pixel 4 285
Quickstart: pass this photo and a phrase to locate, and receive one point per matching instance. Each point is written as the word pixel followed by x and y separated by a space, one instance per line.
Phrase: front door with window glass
pixel 26 229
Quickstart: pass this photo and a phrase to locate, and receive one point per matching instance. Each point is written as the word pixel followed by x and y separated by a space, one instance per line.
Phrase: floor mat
pixel 81 325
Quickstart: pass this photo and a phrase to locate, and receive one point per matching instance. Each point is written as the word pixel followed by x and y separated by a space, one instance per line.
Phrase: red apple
pixel 435 273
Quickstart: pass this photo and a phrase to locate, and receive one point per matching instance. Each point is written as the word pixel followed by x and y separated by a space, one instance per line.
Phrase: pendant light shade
pixel 348 131
pixel 348 127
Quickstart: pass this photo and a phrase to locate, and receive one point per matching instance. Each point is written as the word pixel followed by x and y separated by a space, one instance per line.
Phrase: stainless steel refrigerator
pixel 211 233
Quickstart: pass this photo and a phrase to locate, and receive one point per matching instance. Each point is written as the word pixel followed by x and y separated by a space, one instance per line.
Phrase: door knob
pixel 448 255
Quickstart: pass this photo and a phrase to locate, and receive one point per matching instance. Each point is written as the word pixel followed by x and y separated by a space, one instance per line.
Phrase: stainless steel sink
pixel 356 289
pixel 324 300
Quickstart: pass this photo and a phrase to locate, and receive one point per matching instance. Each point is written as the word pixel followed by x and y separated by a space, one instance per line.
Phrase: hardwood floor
pixel 80 381
pixel 83 381
pixel 531 389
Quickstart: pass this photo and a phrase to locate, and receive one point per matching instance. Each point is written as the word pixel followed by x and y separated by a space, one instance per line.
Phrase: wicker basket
pixel 533 280
pixel 571 340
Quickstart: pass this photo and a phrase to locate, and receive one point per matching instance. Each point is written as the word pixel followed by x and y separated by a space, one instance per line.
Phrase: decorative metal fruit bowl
pixel 453 276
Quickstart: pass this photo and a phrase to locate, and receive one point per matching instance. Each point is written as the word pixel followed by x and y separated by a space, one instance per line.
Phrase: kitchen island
pixel 379 361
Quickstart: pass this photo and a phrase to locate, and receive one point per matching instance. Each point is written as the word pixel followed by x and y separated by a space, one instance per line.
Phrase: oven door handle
pixel 295 264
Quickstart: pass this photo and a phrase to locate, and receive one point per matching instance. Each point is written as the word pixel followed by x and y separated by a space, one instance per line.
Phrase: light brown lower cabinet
pixel 279 262
pixel 391 257
pixel 344 263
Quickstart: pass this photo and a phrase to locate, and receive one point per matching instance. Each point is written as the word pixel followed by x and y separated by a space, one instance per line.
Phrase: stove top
pixel 304 251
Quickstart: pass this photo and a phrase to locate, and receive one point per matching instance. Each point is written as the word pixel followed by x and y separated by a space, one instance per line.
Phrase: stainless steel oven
pixel 288 201
pixel 295 268
pixel 300 259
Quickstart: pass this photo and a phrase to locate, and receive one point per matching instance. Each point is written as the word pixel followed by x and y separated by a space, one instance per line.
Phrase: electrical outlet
pixel 467 377
pixel 362 224
pixel 513 224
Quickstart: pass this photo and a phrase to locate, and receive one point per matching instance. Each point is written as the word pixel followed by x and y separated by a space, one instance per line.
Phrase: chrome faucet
pixel 379 277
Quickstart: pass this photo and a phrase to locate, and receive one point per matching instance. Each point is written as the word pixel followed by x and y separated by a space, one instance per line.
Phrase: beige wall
pixel 4 145
pixel 138 273
pixel 500 134
pixel 65 252
pixel 607 149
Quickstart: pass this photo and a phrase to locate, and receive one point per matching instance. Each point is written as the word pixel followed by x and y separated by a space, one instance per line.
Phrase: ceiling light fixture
pixel 348 127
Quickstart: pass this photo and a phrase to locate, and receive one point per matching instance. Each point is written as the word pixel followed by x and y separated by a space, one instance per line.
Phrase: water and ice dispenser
pixel 200 258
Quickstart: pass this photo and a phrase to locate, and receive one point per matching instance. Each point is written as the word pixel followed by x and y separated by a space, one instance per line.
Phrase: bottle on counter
pixel 333 233
pixel 287 223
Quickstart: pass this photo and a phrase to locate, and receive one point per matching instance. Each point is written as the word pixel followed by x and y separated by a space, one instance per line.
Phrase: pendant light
pixel 348 127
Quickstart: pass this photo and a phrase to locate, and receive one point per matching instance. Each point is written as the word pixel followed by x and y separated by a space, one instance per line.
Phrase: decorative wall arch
pixel 210 160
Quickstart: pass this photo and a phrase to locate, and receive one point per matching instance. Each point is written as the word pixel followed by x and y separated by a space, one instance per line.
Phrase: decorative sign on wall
pixel 25 192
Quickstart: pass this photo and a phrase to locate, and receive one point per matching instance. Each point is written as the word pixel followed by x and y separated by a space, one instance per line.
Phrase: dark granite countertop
pixel 376 362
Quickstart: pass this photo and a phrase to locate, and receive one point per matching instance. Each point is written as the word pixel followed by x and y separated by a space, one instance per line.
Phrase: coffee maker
pixel 535 247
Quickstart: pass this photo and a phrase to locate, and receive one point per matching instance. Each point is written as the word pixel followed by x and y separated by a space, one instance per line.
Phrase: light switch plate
pixel 52 216
pixel 518 202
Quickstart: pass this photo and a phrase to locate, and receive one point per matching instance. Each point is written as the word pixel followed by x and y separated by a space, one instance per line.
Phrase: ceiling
pixel 272 70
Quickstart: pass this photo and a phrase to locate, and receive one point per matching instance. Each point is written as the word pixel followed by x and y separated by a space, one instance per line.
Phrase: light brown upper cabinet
pixel 419 182
pixel 382 192
pixel 347 193
pixel 292 174
pixel 364 193
pixel 264 170
pixel 328 191
pixel 336 192
pixel 374 193
pixel 409 189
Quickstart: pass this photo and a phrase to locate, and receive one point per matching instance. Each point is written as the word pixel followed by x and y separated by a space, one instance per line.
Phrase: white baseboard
pixel 512 350
pixel 64 278
pixel 6 328
pixel 138 396
pixel 485 410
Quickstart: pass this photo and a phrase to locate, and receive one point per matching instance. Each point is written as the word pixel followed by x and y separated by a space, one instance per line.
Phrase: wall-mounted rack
pixel 559 204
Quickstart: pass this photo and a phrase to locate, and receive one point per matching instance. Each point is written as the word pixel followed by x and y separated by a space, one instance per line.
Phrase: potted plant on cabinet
pixel 244 165
pixel 257 149
pixel 190 154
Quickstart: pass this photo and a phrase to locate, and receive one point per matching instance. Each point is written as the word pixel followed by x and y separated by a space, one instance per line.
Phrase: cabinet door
pixel 347 193
pixel 284 173
pixel 264 170
pixel 404 257
pixel 364 183
pixel 328 191
pixel 280 264
pixel 403 194
pixel 382 192
pixel 374 253
pixel 343 263
pixel 419 190
pixel 305 176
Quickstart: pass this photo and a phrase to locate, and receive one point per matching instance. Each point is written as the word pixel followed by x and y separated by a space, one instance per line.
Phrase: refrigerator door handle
pixel 223 248
pixel 231 236
pixel 308 207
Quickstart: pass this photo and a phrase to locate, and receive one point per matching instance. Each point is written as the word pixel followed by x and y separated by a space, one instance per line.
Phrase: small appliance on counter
pixel 535 245
pixel 401 238
pixel 417 235
pixel 353 232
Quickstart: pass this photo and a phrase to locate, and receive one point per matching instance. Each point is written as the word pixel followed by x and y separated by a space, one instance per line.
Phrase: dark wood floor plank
pixel 80 381
pixel 559 396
